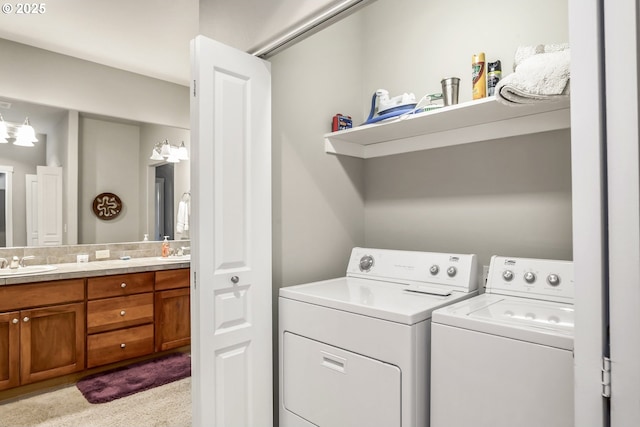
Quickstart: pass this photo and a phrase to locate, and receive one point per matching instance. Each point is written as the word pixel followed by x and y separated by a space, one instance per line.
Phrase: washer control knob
pixel 507 275
pixel 529 277
pixel 553 279
pixel 451 271
pixel 366 262
pixel 434 269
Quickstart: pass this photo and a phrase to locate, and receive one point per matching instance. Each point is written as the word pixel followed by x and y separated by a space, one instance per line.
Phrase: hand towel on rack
pixel 543 77
pixel 182 222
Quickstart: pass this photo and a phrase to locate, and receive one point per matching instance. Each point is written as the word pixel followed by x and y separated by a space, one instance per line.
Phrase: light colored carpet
pixel 168 405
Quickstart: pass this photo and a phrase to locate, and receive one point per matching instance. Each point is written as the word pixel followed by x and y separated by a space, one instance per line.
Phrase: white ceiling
pixel 151 37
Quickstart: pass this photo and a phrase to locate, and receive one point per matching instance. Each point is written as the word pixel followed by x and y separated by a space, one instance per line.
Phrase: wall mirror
pixel 94 154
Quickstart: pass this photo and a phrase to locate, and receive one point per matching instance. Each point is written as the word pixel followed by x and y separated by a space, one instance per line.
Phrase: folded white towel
pixel 540 77
pixel 182 221
pixel 524 52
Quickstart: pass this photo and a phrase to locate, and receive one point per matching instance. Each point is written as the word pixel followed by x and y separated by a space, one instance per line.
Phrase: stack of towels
pixel 541 74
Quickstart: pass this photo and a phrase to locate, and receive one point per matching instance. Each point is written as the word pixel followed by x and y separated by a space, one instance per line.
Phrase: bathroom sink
pixel 176 258
pixel 29 269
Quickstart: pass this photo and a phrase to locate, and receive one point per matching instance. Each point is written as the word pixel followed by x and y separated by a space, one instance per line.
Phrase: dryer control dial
pixel 529 277
pixel 451 271
pixel 553 279
pixel 366 262
pixel 507 275
pixel 434 269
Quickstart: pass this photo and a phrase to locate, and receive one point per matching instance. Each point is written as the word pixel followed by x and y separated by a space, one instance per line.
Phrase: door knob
pixel 235 279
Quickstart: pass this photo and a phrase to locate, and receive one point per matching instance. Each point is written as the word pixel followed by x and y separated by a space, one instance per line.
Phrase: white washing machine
pixel 505 358
pixel 354 351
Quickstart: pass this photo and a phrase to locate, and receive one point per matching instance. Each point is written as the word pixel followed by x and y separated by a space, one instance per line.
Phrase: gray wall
pixel 504 197
pixel 109 161
pixel 510 196
pixel 48 78
pixel 318 205
pixel 410 45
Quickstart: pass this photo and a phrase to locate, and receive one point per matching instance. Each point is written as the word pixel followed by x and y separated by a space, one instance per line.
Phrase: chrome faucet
pixel 25 258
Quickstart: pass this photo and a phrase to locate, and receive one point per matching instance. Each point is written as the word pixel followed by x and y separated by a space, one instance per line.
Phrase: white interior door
pixel 231 240
pixel 49 205
pixel 32 209
pixel 621 44
pixel 589 209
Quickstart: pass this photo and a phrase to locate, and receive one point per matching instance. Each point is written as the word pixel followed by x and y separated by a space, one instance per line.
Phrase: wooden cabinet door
pixel 9 350
pixel 173 319
pixel 51 341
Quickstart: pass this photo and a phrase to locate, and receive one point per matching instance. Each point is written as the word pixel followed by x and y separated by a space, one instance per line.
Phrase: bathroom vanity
pixel 88 315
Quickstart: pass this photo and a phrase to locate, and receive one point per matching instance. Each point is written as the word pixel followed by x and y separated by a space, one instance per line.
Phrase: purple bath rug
pixel 110 385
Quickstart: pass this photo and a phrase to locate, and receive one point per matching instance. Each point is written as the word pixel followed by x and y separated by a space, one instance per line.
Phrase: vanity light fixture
pixel 4 132
pixel 170 153
pixel 24 135
pixel 182 152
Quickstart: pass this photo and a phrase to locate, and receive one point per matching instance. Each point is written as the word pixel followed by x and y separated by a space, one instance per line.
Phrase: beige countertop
pixel 97 269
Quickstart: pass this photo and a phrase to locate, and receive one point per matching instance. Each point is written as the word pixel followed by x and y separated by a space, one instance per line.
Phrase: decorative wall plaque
pixel 107 206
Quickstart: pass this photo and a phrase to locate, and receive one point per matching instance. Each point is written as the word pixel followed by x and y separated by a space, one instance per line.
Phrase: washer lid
pixel 541 322
pixel 374 298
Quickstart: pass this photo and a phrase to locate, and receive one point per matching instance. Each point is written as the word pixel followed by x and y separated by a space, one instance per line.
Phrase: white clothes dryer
pixel 354 351
pixel 507 354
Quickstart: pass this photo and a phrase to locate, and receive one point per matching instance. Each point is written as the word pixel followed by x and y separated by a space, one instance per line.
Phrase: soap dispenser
pixel 165 247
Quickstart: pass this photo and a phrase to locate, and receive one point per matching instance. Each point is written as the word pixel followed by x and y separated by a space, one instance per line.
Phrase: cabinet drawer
pixel 120 312
pixel 119 285
pixel 172 279
pixel 110 347
pixel 16 297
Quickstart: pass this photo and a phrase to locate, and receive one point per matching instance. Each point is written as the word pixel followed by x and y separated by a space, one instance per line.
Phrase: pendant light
pixel 4 132
pixel 182 152
pixel 26 135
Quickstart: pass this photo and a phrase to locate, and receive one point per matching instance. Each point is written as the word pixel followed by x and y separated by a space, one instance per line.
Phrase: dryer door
pixel 328 386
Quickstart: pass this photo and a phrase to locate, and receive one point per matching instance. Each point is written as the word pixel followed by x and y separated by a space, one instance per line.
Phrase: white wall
pixel 109 160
